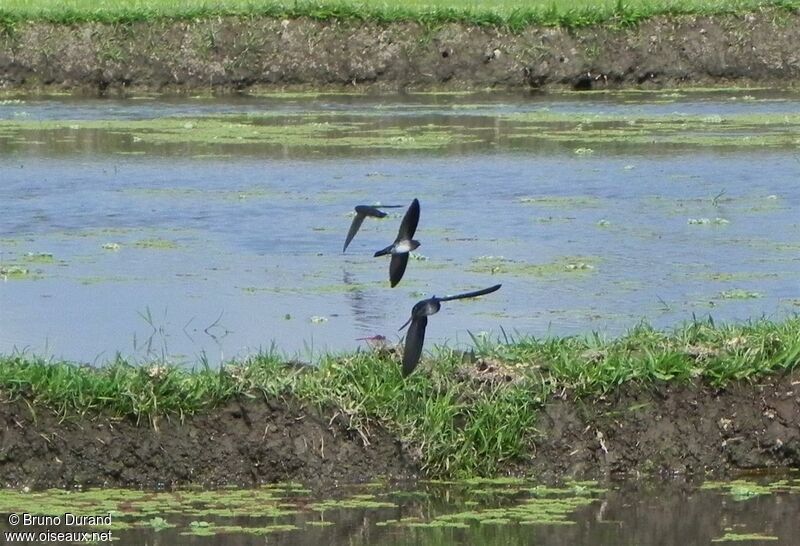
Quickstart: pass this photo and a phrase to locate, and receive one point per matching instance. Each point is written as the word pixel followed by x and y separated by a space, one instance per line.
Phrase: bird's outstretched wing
pixel 397 266
pixel 409 224
pixel 362 211
pixel 369 210
pixel 476 293
pixel 389 206
pixel 357 221
pixel 414 340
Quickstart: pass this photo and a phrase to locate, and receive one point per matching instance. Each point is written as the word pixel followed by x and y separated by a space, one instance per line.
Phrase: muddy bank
pixel 247 443
pixel 234 54
pixel 663 430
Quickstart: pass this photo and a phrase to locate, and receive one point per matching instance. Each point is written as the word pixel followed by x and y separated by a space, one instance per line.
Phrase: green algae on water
pixel 156 243
pixel 563 202
pixel 739 294
pixel 743 537
pixel 15 272
pixel 39 257
pixel 505 266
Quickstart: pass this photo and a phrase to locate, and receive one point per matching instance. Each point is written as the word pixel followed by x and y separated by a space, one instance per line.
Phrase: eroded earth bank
pixel 667 429
pixel 233 54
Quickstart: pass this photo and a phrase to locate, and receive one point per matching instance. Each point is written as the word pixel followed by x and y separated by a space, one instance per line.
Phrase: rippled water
pixel 166 244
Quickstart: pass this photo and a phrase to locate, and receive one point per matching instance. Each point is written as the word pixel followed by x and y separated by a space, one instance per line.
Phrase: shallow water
pixel 502 512
pixel 204 228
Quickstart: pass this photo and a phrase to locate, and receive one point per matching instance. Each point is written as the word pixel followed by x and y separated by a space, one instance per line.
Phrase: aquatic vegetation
pixel 158 523
pixel 737 276
pixel 674 130
pixel 200 528
pixel 10 271
pixel 739 294
pixel 382 130
pixel 566 202
pixel 350 503
pixel 204 528
pixel 708 221
pixel 160 511
pixel 156 243
pixel 742 490
pixel 504 266
pixel 301 131
pixel 39 257
pixel 743 537
pixel 441 506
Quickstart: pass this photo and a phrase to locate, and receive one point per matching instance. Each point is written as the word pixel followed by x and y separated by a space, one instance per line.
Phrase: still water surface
pixel 192 243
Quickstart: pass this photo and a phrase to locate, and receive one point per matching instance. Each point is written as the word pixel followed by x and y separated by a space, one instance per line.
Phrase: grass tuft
pixel 511 14
pixel 455 421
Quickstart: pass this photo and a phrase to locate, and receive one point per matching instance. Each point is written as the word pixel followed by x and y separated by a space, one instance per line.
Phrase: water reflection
pixel 490 512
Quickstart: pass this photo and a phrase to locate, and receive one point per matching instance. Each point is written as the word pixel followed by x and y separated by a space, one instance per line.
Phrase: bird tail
pixel 384 252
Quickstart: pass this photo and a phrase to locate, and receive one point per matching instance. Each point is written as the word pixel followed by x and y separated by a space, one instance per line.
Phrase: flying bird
pixel 403 244
pixel 362 211
pixel 419 320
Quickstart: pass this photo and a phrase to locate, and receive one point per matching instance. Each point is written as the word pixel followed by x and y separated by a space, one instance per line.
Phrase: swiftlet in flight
pixel 403 244
pixel 362 211
pixel 419 320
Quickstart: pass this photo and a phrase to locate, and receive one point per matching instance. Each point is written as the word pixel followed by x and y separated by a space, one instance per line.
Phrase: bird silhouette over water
pixel 403 244
pixel 419 320
pixel 362 211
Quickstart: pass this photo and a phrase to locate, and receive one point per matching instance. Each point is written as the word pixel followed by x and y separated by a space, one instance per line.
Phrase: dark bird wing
pixel 409 224
pixel 474 294
pixel 397 266
pixel 357 221
pixel 369 210
pixel 406 323
pixel 414 340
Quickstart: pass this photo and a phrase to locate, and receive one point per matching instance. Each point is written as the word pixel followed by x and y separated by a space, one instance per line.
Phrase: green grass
pixel 457 426
pixel 515 14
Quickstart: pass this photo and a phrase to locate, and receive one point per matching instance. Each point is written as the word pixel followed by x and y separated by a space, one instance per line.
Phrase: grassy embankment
pixel 462 427
pixel 514 14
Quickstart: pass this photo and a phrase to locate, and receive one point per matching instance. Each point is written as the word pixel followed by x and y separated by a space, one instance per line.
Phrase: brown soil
pixel 230 54
pixel 673 429
pixel 670 429
pixel 247 443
